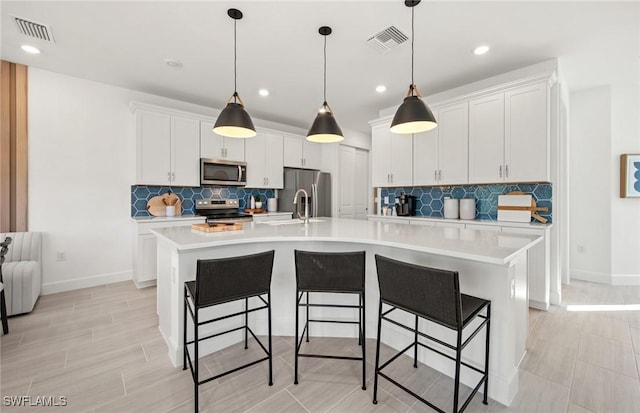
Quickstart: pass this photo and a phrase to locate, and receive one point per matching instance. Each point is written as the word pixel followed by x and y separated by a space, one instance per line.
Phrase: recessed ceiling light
pixel 263 92
pixel 173 63
pixel 30 49
pixel 480 50
pixel 381 88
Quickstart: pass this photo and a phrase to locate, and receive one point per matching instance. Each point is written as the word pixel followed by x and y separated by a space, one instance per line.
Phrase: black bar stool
pixel 221 281
pixel 4 247
pixel 434 295
pixel 330 272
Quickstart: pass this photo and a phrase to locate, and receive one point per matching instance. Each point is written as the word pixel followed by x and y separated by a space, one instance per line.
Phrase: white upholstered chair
pixel 22 271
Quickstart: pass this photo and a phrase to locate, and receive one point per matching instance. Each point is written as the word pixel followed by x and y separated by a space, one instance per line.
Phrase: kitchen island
pixel 491 265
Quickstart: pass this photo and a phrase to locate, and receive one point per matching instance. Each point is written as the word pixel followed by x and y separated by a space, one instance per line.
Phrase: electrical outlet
pixel 581 249
pixel 61 256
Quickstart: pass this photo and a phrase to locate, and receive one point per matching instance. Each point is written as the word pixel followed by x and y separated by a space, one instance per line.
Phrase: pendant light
pixel 413 115
pixel 325 129
pixel 234 121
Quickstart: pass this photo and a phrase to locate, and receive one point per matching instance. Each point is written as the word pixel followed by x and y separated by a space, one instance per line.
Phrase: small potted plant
pixel 258 200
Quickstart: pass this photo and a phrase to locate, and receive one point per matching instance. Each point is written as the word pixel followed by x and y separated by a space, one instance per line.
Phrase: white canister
pixel 467 208
pixel 450 208
pixel 171 211
pixel 272 204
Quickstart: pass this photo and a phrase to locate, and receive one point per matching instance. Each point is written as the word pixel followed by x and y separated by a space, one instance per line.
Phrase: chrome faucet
pixel 306 205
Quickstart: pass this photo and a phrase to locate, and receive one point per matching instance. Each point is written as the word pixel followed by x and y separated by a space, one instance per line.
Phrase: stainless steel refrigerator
pixel 316 183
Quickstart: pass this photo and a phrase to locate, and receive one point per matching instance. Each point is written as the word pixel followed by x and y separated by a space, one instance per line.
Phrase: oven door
pixel 219 172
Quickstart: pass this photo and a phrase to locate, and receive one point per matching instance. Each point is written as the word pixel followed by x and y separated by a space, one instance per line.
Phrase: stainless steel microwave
pixel 221 172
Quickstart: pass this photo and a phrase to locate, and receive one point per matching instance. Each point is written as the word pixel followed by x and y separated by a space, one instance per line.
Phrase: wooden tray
pixel 254 211
pixel 157 207
pixel 216 227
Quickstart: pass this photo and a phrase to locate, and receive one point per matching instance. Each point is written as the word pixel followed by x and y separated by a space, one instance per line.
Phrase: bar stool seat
pixel 330 272
pixel 220 281
pixel 431 294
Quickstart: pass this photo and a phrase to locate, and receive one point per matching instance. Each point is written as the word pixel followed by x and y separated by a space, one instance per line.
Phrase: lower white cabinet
pixel 144 246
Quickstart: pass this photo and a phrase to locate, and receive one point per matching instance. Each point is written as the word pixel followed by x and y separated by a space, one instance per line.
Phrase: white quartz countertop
pixel 168 219
pixel 476 245
pixel 536 225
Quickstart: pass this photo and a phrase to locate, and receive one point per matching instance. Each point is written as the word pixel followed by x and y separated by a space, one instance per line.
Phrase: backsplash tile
pixel 141 194
pixel 430 200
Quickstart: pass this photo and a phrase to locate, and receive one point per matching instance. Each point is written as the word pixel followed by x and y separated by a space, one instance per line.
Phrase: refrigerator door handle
pixel 314 195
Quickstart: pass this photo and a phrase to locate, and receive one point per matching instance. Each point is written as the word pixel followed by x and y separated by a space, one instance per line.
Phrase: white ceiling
pixel 279 48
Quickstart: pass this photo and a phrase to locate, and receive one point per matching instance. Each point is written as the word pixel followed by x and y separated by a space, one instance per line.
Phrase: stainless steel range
pixel 220 211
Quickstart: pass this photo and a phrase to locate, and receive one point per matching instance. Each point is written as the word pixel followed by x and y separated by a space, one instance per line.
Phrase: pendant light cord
pixel 235 61
pixel 325 70
pixel 412 39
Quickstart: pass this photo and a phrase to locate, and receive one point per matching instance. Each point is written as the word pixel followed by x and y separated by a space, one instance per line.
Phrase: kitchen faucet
pixel 306 205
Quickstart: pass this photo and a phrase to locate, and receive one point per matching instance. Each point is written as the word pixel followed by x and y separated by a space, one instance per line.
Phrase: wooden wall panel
pixel 14 145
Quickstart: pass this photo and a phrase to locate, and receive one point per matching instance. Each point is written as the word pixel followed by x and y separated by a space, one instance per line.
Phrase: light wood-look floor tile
pixel 551 361
pixel 602 390
pixel 607 353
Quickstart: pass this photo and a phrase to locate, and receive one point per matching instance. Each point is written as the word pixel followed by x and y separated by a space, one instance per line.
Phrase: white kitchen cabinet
pixel 167 149
pixel 440 156
pixel 214 146
pixel 264 157
pixel 300 153
pixel 486 139
pixel 391 157
pixel 526 134
pixel 508 136
pixel 144 246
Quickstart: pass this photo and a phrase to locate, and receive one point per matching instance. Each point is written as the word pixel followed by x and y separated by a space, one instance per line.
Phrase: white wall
pixel 81 168
pixel 604 124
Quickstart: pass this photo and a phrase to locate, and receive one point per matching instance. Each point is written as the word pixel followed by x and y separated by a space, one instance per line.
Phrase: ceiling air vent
pixel 33 29
pixel 387 39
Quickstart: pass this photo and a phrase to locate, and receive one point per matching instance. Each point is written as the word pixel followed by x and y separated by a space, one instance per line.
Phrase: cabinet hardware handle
pixel 500 171
pixel 169 176
pixel 439 174
pixel 391 178
pixel 173 176
pixel 506 170
pixel 435 175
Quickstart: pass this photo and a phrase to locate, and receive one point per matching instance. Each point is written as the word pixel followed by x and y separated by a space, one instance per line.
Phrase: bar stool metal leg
pixel 377 367
pixel 486 356
pixel 270 341
pixel 184 331
pixel 364 343
pixel 295 341
pixel 415 349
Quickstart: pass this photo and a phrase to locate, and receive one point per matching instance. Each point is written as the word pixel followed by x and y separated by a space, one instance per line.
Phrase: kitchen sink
pixel 291 221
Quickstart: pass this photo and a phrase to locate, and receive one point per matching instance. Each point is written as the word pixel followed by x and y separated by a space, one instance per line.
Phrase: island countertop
pixel 470 244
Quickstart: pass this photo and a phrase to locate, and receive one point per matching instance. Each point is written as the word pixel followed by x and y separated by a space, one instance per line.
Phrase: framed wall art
pixel 630 175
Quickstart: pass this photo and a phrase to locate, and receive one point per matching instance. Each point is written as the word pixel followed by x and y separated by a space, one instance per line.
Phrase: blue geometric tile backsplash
pixel 430 200
pixel 141 194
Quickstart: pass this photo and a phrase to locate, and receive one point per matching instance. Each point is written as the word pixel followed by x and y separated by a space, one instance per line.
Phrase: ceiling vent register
pixel 387 39
pixel 33 29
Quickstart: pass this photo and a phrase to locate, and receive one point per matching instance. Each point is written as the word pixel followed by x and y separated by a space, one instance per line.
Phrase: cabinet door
pixel 274 161
pixel 234 149
pixel 312 154
pixel 453 144
pixel 211 143
pixel 425 156
pixel 185 151
pixel 526 134
pixel 380 155
pixel 256 161
pixel 486 139
pixel 147 268
pixel 153 148
pixel 292 152
pixel 401 159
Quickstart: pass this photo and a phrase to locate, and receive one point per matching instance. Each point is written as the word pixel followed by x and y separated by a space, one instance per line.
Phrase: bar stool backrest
pixel 227 279
pixel 429 292
pixel 330 271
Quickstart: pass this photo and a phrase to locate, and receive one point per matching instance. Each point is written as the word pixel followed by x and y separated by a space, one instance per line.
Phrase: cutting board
pixel 156 206
pixel 216 227
pixel 522 214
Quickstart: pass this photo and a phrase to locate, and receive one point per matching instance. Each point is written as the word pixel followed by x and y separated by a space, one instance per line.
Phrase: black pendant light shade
pixel 325 129
pixel 234 121
pixel 413 115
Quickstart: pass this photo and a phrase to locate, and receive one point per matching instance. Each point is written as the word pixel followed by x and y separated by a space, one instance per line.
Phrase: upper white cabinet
pixel 526 133
pixel 264 157
pixel 508 136
pixel 300 153
pixel 215 146
pixel 391 157
pixel 440 155
pixel 167 149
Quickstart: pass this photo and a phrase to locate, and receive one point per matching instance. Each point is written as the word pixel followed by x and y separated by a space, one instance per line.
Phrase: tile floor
pixel 101 350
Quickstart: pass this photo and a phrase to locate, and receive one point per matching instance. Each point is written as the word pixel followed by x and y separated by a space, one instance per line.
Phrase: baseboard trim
pixel 85 282
pixel 596 277
pixel 538 305
pixel 625 279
